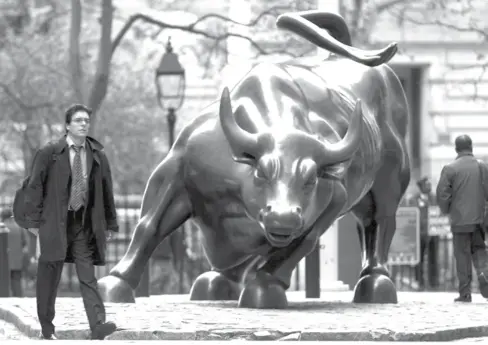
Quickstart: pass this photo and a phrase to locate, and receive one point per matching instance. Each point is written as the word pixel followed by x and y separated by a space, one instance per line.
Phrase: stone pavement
pixel 8 331
pixel 418 317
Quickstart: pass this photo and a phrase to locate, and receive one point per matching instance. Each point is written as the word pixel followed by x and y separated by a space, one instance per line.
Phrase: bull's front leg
pixel 165 207
pixel 268 289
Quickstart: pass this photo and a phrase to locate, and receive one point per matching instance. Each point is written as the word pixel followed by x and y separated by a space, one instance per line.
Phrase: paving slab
pixel 417 317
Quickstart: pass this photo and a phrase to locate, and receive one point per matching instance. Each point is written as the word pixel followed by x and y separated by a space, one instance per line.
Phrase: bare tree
pixel 362 16
pixel 94 93
pixel 463 20
pixel 35 88
pixel 29 92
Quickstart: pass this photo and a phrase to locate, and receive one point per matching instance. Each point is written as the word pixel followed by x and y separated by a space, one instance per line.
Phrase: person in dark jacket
pixel 423 199
pixel 69 203
pixel 461 193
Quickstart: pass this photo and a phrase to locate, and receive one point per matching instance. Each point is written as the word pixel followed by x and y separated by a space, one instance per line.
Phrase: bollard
pixel 433 262
pixel 4 264
pixel 312 273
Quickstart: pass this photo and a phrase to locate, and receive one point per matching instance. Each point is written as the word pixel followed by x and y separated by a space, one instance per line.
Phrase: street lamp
pixel 170 86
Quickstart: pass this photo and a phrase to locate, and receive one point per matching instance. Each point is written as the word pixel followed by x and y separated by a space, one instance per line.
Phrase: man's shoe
pixel 464 298
pixel 49 337
pixel 483 283
pixel 102 330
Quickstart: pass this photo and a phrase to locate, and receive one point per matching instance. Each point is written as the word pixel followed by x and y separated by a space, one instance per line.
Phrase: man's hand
pixel 34 231
pixel 109 234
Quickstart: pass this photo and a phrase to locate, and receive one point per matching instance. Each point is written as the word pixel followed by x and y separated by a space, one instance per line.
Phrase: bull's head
pixel 292 173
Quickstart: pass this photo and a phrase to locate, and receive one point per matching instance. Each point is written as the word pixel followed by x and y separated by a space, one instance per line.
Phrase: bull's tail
pixel 329 31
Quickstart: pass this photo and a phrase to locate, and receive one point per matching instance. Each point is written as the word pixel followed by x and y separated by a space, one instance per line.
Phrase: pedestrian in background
pixel 461 193
pixel 423 200
pixel 70 205
pixel 18 251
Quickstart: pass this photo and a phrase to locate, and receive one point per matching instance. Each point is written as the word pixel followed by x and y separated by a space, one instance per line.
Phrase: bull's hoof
pixel 263 292
pixel 375 288
pixel 116 290
pixel 214 286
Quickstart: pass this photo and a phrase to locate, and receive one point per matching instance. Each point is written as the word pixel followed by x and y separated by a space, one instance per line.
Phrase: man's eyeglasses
pixel 87 121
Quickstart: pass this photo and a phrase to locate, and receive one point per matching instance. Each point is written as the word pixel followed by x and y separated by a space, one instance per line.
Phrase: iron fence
pixel 436 272
pixel 439 272
pixel 166 275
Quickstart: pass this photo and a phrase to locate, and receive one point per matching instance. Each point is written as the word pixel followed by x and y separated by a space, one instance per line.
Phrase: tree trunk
pixel 100 83
pixel 99 88
pixel 74 52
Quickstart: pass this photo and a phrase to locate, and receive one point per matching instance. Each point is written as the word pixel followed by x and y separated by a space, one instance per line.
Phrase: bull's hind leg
pixel 165 207
pixel 376 214
pixel 225 285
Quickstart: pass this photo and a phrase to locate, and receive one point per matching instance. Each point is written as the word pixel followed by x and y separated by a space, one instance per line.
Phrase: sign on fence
pixel 439 224
pixel 405 247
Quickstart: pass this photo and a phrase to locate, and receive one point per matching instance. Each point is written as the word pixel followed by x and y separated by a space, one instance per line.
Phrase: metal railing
pixel 438 273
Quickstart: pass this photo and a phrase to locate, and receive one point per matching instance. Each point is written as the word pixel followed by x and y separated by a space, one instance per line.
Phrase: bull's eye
pixel 266 168
pixel 307 170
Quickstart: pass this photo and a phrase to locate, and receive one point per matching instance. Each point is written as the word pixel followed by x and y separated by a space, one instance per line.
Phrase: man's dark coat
pixel 47 195
pixel 461 192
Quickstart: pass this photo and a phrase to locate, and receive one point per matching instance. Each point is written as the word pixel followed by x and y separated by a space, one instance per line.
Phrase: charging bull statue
pixel 266 170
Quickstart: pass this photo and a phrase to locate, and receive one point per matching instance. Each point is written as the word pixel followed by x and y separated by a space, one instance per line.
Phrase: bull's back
pixel 385 113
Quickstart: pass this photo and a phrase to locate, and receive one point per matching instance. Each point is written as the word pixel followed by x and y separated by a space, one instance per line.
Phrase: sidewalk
pixel 418 317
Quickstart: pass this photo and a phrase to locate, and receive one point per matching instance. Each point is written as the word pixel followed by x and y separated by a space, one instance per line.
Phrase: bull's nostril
pixel 268 208
pixel 298 210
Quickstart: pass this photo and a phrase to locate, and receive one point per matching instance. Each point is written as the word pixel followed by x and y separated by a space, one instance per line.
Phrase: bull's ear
pixel 335 171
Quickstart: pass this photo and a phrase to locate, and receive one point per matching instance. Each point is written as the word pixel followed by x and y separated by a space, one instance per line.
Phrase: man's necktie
pixel 77 182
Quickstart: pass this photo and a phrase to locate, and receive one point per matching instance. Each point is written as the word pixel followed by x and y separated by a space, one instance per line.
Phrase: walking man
pixel 69 203
pixel 461 193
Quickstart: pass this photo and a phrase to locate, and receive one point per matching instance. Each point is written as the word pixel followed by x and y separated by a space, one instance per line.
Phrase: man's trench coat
pixel 47 196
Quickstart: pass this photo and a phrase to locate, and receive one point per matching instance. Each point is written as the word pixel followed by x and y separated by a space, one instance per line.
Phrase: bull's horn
pixel 241 142
pixel 347 146
pixel 329 31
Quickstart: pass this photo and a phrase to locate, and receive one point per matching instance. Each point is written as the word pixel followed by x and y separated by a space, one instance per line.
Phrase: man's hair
pixel 6 213
pixel 73 109
pixel 463 143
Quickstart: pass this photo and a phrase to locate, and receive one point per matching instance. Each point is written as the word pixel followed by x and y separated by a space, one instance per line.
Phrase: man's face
pixel 79 125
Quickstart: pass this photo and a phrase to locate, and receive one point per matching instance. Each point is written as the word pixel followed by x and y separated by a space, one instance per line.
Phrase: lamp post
pixel 170 86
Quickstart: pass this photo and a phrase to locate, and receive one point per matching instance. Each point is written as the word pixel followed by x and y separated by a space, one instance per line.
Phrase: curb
pixel 33 330
pixel 440 334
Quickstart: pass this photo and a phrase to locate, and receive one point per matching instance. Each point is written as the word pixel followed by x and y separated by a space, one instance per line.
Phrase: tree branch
pixel 390 3
pixel 74 48
pixel 20 103
pixel 191 28
pixel 273 11
pixel 470 28
pixel 37 60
